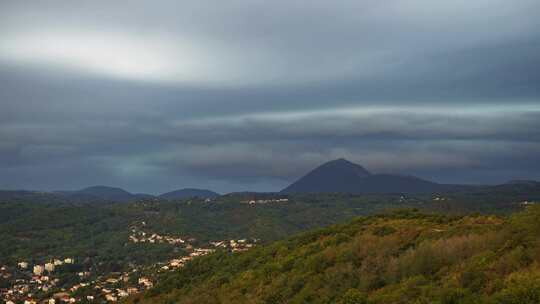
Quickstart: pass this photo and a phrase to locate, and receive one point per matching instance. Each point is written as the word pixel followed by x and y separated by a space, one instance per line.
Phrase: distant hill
pixel 189 193
pixel 517 187
pixel 30 196
pixel 106 193
pixel 523 182
pixel 91 195
pixel 343 176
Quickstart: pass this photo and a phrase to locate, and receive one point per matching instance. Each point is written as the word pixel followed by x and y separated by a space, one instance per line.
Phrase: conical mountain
pixel 339 175
pixel 343 176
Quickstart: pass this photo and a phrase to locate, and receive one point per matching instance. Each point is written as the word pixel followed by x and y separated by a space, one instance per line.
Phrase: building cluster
pixel 180 262
pixel 140 236
pixel 41 282
pixel 27 281
pixel 235 245
pixel 115 286
pixel 440 199
pixel 266 201
pixel 232 245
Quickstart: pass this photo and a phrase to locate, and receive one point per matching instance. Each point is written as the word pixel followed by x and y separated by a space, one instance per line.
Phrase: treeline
pixel 95 234
pixel 44 230
pixel 402 257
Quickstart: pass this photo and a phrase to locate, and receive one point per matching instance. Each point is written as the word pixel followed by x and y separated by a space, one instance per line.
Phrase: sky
pixel 236 95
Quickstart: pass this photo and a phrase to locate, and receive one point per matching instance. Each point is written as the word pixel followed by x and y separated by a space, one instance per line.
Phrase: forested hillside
pixel 403 257
pixel 38 226
pixel 142 239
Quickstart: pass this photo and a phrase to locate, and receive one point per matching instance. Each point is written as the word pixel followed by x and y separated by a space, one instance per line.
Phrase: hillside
pixel 38 228
pixel 99 194
pixel 404 257
pixel 189 193
pixel 344 176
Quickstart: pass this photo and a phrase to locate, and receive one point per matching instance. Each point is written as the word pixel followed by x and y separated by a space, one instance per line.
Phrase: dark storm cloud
pixel 251 94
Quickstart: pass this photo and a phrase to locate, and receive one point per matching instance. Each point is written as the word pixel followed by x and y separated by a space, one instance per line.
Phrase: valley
pixel 120 246
pixel 123 249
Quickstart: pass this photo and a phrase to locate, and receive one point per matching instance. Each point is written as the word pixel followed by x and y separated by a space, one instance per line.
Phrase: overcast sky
pixel 236 95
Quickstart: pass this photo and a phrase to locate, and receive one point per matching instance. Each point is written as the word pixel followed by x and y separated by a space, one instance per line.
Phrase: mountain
pixel 30 196
pixel 343 176
pixel 386 183
pixel 189 193
pixel 523 182
pixel 526 187
pixel 339 175
pixel 96 194
pixel 401 257
pixel 106 193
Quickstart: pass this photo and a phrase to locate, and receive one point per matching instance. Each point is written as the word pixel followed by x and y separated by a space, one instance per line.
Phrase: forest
pixel 38 229
pixel 402 257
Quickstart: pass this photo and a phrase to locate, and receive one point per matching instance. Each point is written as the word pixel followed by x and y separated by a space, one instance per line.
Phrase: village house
pixel 38 270
pixel 111 298
pixel 146 282
pixel 49 267
pixel 122 293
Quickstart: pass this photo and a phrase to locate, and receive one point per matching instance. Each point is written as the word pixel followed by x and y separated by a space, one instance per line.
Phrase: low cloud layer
pixel 251 95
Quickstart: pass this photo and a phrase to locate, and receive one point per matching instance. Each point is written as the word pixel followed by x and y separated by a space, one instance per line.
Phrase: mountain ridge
pixel 106 193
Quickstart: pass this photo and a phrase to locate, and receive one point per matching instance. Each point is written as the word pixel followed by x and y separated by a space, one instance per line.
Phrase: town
pixel 68 280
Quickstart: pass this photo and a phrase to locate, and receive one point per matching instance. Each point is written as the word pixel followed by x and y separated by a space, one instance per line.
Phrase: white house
pixel 38 270
pixel 49 267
